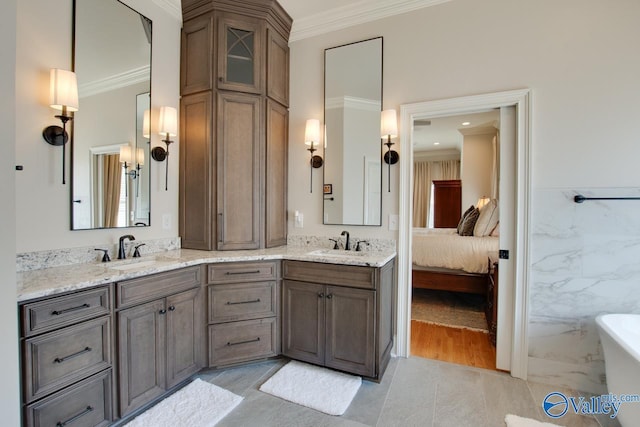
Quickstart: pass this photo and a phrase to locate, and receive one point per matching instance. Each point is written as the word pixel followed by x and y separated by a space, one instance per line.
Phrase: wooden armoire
pixel 234 82
pixel 447 203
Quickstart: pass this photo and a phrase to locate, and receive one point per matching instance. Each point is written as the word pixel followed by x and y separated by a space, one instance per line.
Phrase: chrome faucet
pixel 121 253
pixel 346 243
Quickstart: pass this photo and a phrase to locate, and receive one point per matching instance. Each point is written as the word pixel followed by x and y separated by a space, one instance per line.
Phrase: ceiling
pixel 312 17
pixel 445 130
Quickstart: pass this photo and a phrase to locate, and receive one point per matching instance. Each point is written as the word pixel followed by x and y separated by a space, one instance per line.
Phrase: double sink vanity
pixel 101 342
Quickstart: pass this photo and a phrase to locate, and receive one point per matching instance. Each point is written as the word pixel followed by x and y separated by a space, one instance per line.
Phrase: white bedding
pixel 444 248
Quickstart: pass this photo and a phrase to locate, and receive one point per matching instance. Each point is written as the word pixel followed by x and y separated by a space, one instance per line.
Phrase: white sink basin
pixel 134 265
pixel 336 253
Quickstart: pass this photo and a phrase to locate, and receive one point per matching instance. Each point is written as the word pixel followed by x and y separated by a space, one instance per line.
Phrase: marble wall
pixel 585 261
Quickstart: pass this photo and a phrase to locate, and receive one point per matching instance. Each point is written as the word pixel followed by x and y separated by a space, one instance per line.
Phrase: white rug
pixel 516 421
pixel 314 387
pixel 199 404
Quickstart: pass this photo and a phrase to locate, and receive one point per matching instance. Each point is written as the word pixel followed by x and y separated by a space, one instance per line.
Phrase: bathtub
pixel 620 338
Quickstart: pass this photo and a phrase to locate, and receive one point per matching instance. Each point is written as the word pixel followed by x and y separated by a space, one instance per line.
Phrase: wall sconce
pixel 482 201
pixel 311 137
pixel 168 127
pixel 127 160
pixel 63 96
pixel 388 130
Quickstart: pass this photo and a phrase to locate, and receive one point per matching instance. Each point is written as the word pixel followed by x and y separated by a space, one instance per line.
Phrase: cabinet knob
pixel 329 296
pixel 163 311
pixel 320 295
pixel 171 308
pixel 221 79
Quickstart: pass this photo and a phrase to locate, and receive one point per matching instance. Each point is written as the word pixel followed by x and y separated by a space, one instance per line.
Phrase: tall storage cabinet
pixel 234 124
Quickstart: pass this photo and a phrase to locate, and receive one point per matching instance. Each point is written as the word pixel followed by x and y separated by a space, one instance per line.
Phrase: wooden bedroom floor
pixel 455 345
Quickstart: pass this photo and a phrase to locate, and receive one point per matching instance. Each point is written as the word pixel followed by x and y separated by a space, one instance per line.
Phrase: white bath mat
pixel 516 421
pixel 199 404
pixel 314 387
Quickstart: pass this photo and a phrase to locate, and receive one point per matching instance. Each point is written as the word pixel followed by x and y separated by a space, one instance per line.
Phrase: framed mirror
pixel 352 146
pixel 110 137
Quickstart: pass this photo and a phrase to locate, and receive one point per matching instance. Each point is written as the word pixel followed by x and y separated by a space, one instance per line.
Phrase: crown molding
pixel 351 102
pixel 353 14
pixel 130 77
pixel 172 7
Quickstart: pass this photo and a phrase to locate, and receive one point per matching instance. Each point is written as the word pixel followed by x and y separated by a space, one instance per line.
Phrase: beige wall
pixel 10 391
pixel 475 168
pixel 42 202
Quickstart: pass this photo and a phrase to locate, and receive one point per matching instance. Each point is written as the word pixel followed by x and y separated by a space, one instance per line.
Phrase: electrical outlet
pixel 166 221
pixel 299 219
pixel 393 222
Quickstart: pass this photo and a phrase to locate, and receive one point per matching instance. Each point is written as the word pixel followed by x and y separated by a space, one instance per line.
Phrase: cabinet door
pixel 197 55
pixel 239 171
pixel 185 335
pixel 240 53
pixel 277 67
pixel 350 335
pixel 276 175
pixel 303 321
pixel 197 215
pixel 141 336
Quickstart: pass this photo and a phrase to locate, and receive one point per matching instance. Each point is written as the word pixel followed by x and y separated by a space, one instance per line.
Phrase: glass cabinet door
pixel 239 54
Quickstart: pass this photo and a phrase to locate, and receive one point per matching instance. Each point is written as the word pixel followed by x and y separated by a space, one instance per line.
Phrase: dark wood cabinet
pixel 447 203
pixel 234 124
pixel 491 304
pixel 334 316
pixel 160 338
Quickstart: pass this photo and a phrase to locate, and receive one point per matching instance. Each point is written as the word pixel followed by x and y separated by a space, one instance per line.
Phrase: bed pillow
pixel 469 223
pixel 464 215
pixel 487 220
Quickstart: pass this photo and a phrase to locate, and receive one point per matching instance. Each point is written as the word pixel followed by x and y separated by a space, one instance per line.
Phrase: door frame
pixel 517 308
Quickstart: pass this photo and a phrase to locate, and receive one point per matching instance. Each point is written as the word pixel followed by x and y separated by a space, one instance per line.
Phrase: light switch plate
pixel 166 221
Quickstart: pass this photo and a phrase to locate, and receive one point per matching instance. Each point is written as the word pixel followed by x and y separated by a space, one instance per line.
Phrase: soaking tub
pixel 620 337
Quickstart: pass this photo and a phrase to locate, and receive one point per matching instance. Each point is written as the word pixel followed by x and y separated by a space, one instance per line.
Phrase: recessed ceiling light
pixel 436 143
pixel 466 123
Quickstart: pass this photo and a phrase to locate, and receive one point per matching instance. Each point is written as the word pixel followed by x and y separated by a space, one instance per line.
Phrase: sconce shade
pixel 63 90
pixel 482 201
pixel 388 124
pixel 312 131
pixel 168 121
pixel 146 127
pixel 140 156
pixel 125 154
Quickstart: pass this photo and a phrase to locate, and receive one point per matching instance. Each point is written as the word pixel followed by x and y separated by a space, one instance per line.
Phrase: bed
pixel 444 260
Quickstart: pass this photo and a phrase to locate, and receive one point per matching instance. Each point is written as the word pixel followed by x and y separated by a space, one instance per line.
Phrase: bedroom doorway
pixel 511 348
pixel 455 169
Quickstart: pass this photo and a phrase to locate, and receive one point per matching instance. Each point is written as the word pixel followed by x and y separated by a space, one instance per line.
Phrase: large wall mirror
pixel 110 144
pixel 352 105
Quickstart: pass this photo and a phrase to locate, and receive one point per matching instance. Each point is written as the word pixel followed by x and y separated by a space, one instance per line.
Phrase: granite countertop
pixel 56 280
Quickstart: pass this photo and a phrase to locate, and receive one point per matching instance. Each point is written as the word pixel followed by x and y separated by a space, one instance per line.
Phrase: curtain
pixel 111 188
pixel 495 166
pixel 424 172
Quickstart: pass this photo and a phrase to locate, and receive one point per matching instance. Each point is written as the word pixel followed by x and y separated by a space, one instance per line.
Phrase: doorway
pixel 514 269
pixel 455 168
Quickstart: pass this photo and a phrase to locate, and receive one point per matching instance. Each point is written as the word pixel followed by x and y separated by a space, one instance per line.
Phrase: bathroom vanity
pixel 102 342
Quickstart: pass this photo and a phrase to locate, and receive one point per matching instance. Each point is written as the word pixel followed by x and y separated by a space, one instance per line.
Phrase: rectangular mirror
pixel 110 139
pixel 352 146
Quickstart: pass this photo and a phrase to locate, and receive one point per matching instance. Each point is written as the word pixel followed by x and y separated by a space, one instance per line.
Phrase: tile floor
pixel 413 392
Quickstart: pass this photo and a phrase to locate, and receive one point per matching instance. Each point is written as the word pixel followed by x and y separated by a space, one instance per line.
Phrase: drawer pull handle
pixel 243 342
pixel 243 302
pixel 75 417
pixel 232 273
pixel 71 356
pixel 68 310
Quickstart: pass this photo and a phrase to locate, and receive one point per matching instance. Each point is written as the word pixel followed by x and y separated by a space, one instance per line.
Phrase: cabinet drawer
pixel 60 358
pixel 87 403
pixel 160 285
pixel 43 316
pixel 330 274
pixel 242 301
pixel 242 272
pixel 241 341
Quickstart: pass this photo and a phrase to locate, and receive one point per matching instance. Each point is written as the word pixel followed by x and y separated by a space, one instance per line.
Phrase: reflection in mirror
pixel 352 105
pixel 110 145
